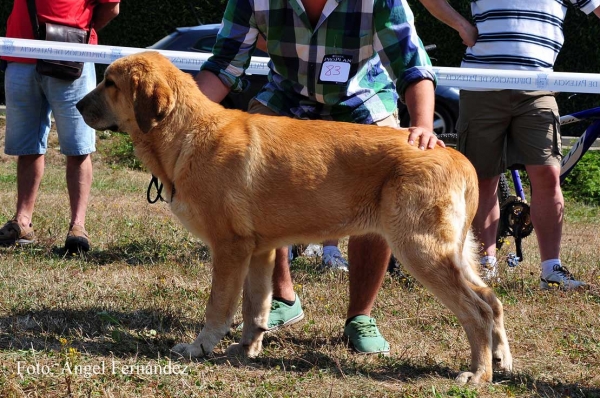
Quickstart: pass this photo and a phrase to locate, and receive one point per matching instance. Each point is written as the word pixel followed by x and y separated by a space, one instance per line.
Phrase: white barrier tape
pixel 519 80
pixel 454 77
pixel 25 48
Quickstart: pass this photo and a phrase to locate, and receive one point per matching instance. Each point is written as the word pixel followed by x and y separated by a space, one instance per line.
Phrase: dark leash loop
pixel 159 187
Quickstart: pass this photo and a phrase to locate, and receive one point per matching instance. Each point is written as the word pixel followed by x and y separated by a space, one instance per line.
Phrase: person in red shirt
pixel 31 98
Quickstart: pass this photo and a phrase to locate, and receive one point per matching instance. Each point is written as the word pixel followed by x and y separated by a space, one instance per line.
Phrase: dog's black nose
pixel 79 105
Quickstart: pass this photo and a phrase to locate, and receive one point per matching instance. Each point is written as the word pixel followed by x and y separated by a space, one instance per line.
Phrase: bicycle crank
pixel 515 221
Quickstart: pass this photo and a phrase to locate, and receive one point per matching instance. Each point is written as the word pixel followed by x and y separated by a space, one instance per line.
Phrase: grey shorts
pixel 505 129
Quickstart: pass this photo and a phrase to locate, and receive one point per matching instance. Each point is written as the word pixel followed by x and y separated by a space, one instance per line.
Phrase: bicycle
pixel 515 217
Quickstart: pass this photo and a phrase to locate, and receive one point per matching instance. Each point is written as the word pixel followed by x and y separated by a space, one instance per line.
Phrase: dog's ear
pixel 153 100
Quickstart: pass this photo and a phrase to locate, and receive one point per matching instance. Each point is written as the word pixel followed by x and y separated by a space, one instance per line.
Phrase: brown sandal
pixel 12 233
pixel 77 240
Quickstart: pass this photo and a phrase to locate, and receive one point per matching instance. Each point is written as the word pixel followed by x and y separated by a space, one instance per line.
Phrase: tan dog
pixel 236 180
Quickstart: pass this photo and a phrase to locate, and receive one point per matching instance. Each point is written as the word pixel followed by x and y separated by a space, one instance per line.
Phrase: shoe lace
pixel 275 305
pixel 366 329
pixel 489 265
pixel 563 272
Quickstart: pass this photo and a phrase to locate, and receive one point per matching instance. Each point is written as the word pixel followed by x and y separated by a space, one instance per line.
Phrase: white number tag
pixel 335 69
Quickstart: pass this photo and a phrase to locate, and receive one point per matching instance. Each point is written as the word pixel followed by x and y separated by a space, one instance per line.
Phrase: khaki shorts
pixel 256 107
pixel 505 129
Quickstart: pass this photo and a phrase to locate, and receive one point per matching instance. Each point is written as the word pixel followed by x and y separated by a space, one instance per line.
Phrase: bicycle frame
pixel 584 142
pixel 516 177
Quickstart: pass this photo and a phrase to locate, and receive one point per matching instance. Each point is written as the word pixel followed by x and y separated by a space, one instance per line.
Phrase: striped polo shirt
pixel 343 68
pixel 517 34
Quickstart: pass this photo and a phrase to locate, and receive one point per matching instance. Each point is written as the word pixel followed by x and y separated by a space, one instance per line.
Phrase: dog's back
pixel 283 172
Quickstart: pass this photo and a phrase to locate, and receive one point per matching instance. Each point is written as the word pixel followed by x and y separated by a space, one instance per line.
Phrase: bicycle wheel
pixel 450 139
pixel 503 197
pixel 503 189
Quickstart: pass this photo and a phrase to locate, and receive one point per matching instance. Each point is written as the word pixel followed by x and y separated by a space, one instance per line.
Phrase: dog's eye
pixel 109 83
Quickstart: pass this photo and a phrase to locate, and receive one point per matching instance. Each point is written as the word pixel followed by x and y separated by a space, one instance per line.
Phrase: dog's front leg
pixel 230 266
pixel 256 305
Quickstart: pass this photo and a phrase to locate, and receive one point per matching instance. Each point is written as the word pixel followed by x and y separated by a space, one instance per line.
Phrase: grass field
pixel 103 325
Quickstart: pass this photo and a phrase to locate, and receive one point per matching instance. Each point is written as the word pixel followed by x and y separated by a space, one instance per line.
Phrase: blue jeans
pixel 31 97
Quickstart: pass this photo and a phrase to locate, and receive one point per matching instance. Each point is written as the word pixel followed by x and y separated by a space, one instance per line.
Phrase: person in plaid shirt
pixel 341 60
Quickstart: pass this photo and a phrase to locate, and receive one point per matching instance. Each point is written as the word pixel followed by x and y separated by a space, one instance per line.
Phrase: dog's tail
pixel 469 260
pixel 469 253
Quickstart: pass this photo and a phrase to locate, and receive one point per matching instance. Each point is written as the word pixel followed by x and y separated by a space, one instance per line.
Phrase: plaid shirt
pixel 373 39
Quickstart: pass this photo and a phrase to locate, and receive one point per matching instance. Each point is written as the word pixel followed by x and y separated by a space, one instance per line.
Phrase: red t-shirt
pixel 75 13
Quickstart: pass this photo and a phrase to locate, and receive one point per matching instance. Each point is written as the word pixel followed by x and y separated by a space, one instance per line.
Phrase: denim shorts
pixel 31 97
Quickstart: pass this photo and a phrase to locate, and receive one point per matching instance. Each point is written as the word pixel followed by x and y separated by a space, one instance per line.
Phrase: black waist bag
pixel 65 70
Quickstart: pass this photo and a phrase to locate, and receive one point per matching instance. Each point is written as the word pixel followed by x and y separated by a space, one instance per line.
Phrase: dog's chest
pixel 191 220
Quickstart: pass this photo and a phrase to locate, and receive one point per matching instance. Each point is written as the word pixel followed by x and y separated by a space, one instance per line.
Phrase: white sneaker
pixel 489 272
pixel 313 250
pixel 334 261
pixel 560 278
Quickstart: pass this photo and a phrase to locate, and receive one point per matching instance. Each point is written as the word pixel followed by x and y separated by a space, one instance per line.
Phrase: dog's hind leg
pixel 230 266
pixel 502 358
pixel 438 272
pixel 256 305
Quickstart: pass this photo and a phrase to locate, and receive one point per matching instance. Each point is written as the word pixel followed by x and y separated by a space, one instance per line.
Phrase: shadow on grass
pixel 94 331
pixel 150 334
pixel 396 370
pixel 521 383
pixel 138 252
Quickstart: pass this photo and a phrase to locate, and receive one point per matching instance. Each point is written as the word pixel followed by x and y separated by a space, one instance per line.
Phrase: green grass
pixel 583 183
pixel 144 286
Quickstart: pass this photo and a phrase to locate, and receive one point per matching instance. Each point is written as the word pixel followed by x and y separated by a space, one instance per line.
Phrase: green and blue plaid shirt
pixel 376 39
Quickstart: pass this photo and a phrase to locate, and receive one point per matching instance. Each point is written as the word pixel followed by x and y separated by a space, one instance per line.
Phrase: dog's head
pixel 135 94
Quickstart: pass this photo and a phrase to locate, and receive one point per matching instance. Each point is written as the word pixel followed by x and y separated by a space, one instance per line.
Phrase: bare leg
pixel 547 207
pixel 368 256
pixel 283 286
pixel 79 184
pixel 30 170
pixel 485 223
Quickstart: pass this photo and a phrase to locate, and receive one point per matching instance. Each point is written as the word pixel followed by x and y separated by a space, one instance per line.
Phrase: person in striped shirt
pixel 378 54
pixel 500 129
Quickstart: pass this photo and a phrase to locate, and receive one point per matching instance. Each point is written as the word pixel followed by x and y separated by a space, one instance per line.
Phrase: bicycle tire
pixel 503 197
pixel 450 139
pixel 503 189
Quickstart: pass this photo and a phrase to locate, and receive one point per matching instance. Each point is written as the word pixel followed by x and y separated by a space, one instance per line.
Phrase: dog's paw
pixel 473 378
pixel 236 350
pixel 502 361
pixel 239 351
pixel 189 351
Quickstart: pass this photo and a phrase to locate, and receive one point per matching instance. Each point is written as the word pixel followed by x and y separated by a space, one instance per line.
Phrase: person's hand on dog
pixel 427 139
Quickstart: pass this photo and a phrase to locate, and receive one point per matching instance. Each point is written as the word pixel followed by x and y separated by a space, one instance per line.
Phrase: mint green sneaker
pixel 282 315
pixel 364 336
